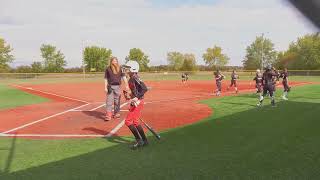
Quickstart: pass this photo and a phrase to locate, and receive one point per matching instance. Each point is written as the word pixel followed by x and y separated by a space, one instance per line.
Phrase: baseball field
pixel 54 128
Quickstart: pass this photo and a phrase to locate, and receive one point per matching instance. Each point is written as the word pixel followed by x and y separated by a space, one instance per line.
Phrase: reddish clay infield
pixel 77 109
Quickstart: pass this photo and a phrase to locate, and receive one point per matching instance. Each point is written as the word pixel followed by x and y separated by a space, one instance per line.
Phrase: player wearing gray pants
pixel 112 80
pixel 113 98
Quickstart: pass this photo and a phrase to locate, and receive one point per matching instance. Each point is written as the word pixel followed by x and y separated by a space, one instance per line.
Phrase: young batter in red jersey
pixel 136 96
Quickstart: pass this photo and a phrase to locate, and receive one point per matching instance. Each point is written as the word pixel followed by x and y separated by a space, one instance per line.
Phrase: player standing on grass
pixel 258 80
pixel 137 89
pixel 268 85
pixel 234 78
pixel 286 88
pixel 275 78
pixel 218 77
pixel 112 79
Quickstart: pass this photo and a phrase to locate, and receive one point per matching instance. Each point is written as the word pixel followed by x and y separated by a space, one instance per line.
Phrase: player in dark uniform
pixel 258 80
pixel 183 78
pixel 268 85
pixel 234 78
pixel 218 77
pixel 286 88
pixel 186 76
pixel 276 78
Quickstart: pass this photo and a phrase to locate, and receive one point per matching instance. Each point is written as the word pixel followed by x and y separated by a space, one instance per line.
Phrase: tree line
pixel 304 53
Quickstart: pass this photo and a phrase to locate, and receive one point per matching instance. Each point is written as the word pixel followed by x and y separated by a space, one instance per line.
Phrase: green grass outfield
pixel 11 97
pixel 239 141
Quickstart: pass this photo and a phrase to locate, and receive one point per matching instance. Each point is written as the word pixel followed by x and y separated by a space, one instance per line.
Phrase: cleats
pixel 137 144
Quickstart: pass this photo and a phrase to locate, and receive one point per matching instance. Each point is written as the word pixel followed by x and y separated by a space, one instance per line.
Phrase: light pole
pixel 262 42
pixel 83 62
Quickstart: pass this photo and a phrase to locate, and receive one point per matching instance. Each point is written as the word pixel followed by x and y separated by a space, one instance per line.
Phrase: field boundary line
pixel 98 107
pixel 119 126
pixel 112 132
pixel 53 94
pixel 51 135
pixel 115 129
pixel 43 119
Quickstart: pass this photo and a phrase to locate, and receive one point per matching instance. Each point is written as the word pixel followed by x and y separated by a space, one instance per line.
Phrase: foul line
pixel 43 119
pixel 78 110
pixel 98 107
pixel 116 129
pixel 51 135
pixel 44 92
pixel 112 132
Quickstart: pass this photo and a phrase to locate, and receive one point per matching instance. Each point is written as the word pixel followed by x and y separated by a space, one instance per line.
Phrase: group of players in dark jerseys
pixel 219 77
pixel 265 83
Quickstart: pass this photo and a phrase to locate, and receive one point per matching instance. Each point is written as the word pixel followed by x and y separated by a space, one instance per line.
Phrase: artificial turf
pixel 239 141
pixel 11 97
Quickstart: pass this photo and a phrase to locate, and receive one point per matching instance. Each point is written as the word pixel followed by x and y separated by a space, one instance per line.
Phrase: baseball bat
pixel 150 129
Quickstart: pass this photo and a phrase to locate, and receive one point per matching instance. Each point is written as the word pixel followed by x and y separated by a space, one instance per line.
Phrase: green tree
pixel 189 62
pixel 260 49
pixel 36 67
pixel 139 56
pixel 23 69
pixel 5 55
pixel 53 60
pixel 96 58
pixel 175 60
pixel 214 57
pixel 303 54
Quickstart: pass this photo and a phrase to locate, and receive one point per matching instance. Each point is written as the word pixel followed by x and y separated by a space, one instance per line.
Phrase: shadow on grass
pixel 10 157
pixel 113 139
pixel 242 104
pixel 253 144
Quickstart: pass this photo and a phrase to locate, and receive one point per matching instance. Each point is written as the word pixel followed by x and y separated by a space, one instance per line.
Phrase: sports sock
pixel 135 132
pixel 142 134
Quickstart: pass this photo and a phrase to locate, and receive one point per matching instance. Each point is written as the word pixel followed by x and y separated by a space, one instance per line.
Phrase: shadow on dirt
pixel 95 114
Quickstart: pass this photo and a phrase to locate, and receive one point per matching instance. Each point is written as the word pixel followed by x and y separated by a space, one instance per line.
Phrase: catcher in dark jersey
pixel 218 77
pixel 268 85
pixel 258 80
pixel 286 88
pixel 234 78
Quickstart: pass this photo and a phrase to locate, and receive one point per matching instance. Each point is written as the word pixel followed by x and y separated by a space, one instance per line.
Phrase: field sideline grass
pixel 239 141
pixel 11 97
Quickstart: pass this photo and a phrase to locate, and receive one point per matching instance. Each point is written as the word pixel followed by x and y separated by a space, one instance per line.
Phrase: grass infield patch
pixel 11 97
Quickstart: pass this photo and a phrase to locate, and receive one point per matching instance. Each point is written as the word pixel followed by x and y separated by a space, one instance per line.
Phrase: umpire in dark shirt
pixel 112 78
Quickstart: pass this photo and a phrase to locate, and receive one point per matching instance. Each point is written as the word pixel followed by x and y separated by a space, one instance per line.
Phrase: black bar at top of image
pixel 310 8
